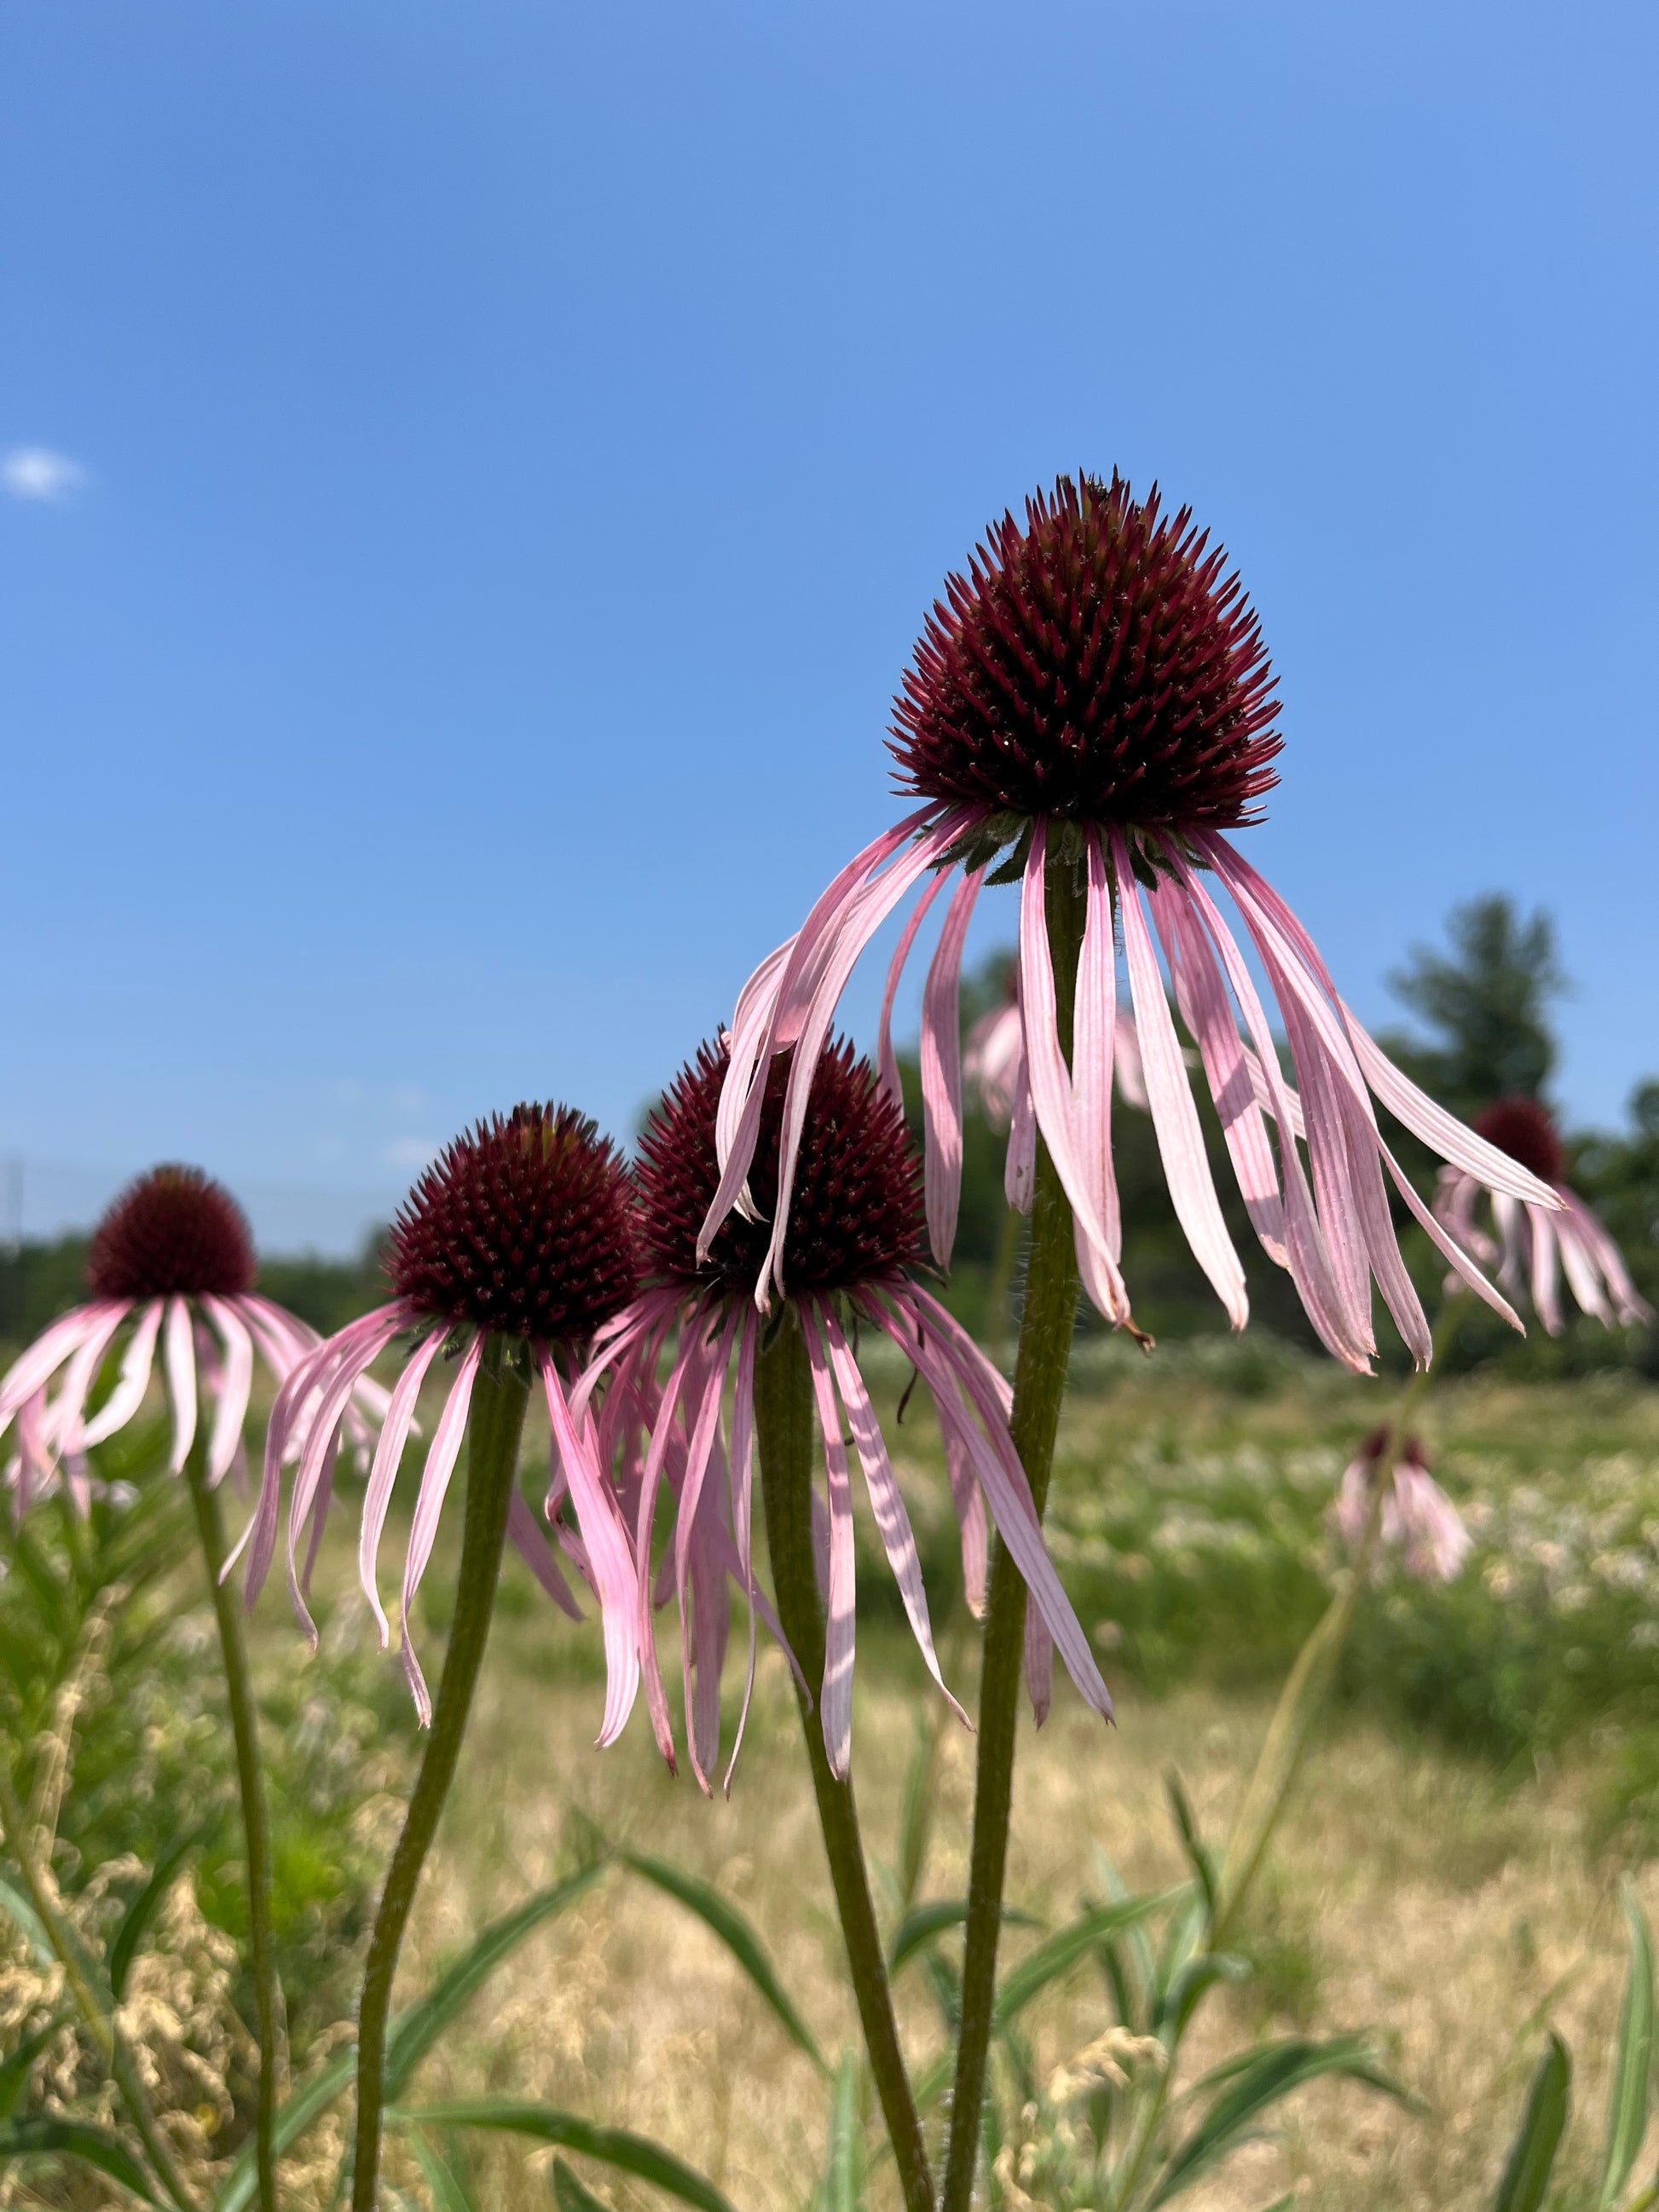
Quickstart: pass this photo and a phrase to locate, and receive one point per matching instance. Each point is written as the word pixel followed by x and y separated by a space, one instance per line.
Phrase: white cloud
pixel 35 472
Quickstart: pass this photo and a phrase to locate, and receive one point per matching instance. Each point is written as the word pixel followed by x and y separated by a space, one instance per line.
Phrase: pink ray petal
pixel 886 1502
pixel 948 1356
pixel 179 1355
pixel 234 1392
pixel 835 1701
pixel 969 1502
pixel 532 1548
pixel 49 1351
pixel 862 921
pixel 383 1475
pixel 1544 1278
pixel 334 1374
pixel 1633 1308
pixel 1050 1080
pixel 1175 1117
pixel 608 1554
pixel 133 1381
pixel 69 1407
pixel 941 1071
pixel 1019 1169
pixel 1447 1248
pixel 686 1539
pixel 1039 1664
pixel 683 1380
pixel 886 1058
pixel 742 1492
pixel 429 1505
pixel 1582 1275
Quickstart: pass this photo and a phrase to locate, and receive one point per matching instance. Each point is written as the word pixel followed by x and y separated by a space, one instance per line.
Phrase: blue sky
pixel 504 455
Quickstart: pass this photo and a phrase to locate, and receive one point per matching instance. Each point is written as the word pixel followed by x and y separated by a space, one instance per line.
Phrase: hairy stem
pixel 256 1824
pixel 495 1425
pixel 95 2016
pixel 784 1432
pixel 1045 1350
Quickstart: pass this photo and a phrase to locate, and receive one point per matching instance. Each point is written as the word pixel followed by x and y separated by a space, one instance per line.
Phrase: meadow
pixel 1446 1877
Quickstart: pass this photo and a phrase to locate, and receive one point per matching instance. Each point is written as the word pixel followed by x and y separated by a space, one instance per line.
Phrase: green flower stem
pixel 256 1822
pixel 1045 1350
pixel 1002 1277
pixel 95 2016
pixel 1303 1697
pixel 495 1423
pixel 784 1432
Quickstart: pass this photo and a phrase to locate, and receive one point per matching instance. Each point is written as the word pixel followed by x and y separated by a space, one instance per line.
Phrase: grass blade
pixel 308 2103
pixel 447 2189
pixel 1632 2059
pixel 28 1924
pixel 619 2147
pixel 843 2174
pixel 44 2136
pixel 722 1918
pixel 1061 1950
pixel 142 1910
pixel 1532 2155
pixel 15 2073
pixel 1266 2075
pixel 571 2193
pixel 414 2035
pixel 1199 1856
pixel 924 1922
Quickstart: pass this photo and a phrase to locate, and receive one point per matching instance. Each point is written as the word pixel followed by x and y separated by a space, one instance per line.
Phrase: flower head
pixel 1418 1519
pixel 1534 1244
pixel 854 1239
pixel 170 1264
pixel 1088 711
pixel 522 1231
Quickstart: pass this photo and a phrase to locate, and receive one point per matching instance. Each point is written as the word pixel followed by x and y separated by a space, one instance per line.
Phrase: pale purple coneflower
pixel 1096 694
pixel 1533 1246
pixel 521 1231
pixel 1417 1519
pixel 854 1242
pixel 171 1270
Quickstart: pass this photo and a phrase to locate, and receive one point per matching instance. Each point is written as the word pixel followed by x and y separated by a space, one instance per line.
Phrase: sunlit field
pixel 1445 1878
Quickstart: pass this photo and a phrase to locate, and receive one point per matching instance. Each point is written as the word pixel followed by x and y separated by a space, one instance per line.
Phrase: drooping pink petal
pixel 533 1547
pixel 1544 1278
pixel 1050 1080
pixel 742 1492
pixel 608 1555
pixel 46 1354
pixel 68 1408
pixel 441 1459
pixel 234 1392
pixel 179 1354
pixel 941 1071
pixel 130 1384
pixel 866 916
pixel 769 1016
pixel 33 1462
pixel 947 1358
pixel 1094 1046
pixel 333 1373
pixel 1582 1273
pixel 836 1699
pixel 1130 1075
pixel 1633 1308
pixel 1258 902
pixel 1202 998
pixel 1039 1664
pixel 388 1455
pixel 887 1065
pixel 969 1500
pixel 1175 1117
pixel 1448 1247
pixel 701 1446
pixel 684 1380
pixel 886 1502
pixel 1019 1169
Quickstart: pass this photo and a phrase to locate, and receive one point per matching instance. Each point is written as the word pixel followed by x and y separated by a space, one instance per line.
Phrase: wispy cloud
pixel 35 472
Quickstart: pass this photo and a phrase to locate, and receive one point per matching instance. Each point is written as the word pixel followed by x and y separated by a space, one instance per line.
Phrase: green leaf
pixel 571 2193
pixel 924 1922
pixel 1199 1856
pixel 42 2135
pixel 15 2073
pixel 447 2189
pixel 1180 2000
pixel 843 2172
pixel 1532 2155
pixel 1632 2059
pixel 617 2146
pixel 1066 1946
pixel 722 1918
pixel 1265 2075
pixel 916 1819
pixel 414 2034
pixel 141 1910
